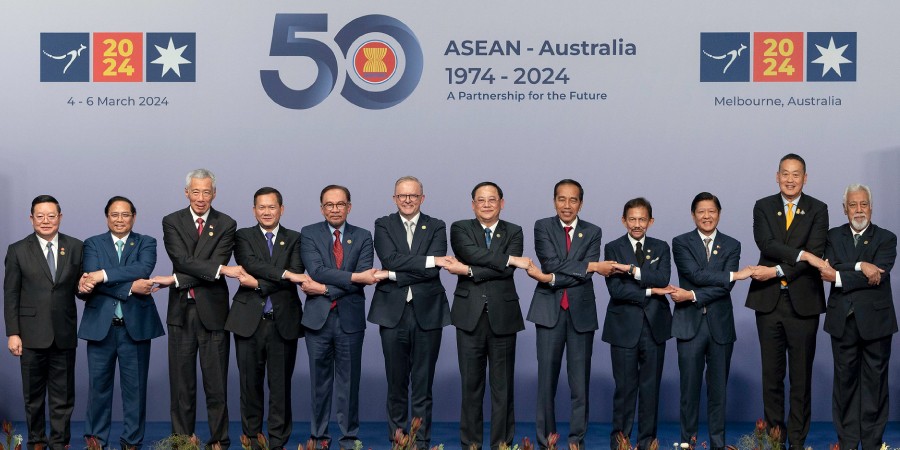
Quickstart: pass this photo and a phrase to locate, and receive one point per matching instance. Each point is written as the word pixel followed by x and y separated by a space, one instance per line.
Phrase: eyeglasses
pixel 407 197
pixel 124 216
pixel 339 206
pixel 48 217
pixel 264 208
pixel 201 194
pixel 487 201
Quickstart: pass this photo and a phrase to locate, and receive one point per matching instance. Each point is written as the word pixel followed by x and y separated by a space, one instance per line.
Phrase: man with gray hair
pixel 199 241
pixel 860 319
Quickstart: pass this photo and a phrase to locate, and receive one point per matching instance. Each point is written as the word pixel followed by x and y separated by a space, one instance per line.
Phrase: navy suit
pixel 571 330
pixel 637 327
pixel 127 344
pixel 410 330
pixel 335 326
pixel 861 320
pixel 704 328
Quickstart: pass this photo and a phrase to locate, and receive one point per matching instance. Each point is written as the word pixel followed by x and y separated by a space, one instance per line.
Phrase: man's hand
pixel 248 280
pixel 538 275
pixel 382 275
pixel 85 286
pixel 366 277
pixel 620 268
pixel 763 273
pixel 162 281
pixel 444 261
pixel 828 273
pixel 144 287
pixel 743 274
pixel 313 287
pixel 457 268
pixel 296 278
pixel 872 272
pixel 813 260
pixel 14 343
pixel 232 271
pixel 663 290
pixel 605 268
pixel 681 295
pixel 520 262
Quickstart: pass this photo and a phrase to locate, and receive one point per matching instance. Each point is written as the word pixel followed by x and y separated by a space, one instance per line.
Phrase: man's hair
pixel 334 186
pixel 705 196
pixel 199 174
pixel 487 183
pixel 639 202
pixel 406 178
pixel 118 198
pixel 856 187
pixel 795 157
pixel 266 191
pixel 45 199
pixel 573 183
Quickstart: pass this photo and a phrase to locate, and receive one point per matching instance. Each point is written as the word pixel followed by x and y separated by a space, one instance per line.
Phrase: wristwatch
pixel 326 291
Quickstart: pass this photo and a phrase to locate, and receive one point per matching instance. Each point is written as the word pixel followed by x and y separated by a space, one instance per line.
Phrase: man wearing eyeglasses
pixel 410 305
pixel 199 241
pixel 338 259
pixel 42 275
pixel 120 318
pixel 486 314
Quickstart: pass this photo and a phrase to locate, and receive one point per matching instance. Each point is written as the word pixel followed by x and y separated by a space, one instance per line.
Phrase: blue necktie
pixel 51 261
pixel 271 245
pixel 487 237
pixel 119 247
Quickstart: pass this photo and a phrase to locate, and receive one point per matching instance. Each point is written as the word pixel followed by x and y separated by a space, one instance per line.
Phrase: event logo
pixel 778 57
pixel 384 46
pixel 118 57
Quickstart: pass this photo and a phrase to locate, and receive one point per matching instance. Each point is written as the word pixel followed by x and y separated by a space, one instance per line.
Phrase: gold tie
pixel 790 215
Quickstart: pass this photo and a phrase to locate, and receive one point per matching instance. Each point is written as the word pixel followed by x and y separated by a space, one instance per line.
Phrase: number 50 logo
pixel 374 62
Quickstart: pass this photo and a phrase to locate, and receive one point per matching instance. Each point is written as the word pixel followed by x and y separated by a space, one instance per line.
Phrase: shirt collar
pixel 274 231
pixel 784 201
pixel 493 227
pixel 43 241
pixel 711 236
pixel 123 238
pixel 341 229
pixel 205 216
pixel 563 224
pixel 414 220
pixel 634 242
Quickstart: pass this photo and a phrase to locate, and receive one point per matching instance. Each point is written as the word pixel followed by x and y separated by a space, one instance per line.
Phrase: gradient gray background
pixel 658 135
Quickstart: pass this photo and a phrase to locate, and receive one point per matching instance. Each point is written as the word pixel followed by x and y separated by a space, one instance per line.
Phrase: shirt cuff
pixel 648 293
pixel 858 267
pixel 176 280
pixel 429 262
pixel 552 279
pixel 392 275
pixel 837 279
pixel 219 270
pixel 106 279
pixel 694 294
pixel 637 275
pixel 799 255
pixel 509 261
pixel 778 272
pixel 730 277
pixel 284 275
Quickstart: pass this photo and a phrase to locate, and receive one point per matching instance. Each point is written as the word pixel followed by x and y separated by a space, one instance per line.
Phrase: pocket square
pixel 654 260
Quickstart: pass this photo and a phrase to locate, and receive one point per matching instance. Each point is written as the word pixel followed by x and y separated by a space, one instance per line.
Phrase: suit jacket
pixel 318 258
pixel 777 246
pixel 873 305
pixel 710 282
pixel 429 298
pixel 252 252
pixel 492 281
pixel 628 303
pixel 195 261
pixel 37 308
pixel 570 269
pixel 139 311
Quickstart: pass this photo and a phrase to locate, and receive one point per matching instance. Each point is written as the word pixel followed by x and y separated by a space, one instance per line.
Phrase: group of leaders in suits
pixel 331 262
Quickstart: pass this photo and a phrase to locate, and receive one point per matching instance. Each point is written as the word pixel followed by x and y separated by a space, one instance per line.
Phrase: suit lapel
pixel 698 249
pixel 62 257
pixel 421 229
pixel 187 222
pixel 498 237
pixel 558 237
pixel 109 247
pixel 40 255
pixel 799 215
pixel 397 230
pixel 209 231
pixel 325 238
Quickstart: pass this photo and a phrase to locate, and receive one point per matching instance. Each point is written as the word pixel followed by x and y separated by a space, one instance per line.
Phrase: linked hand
pixel 297 278
pixel 763 273
pixel 85 285
pixel 144 287
pixel 444 261
pixel 872 273
pixel 663 290
pixel 457 268
pixel 680 295
pixel 382 275
pixel 233 271
pixel 828 274
pixel 14 343
pixel 520 261
pixel 312 287
pixel 605 268
pixel 162 281
pixel 743 274
pixel 366 277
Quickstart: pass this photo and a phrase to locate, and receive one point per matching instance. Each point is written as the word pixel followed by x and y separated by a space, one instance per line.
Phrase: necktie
pixel 199 232
pixel 120 245
pixel 639 254
pixel 338 250
pixel 564 303
pixel 51 261
pixel 487 237
pixel 706 242
pixel 410 229
pixel 271 245
pixel 790 215
pixel 856 239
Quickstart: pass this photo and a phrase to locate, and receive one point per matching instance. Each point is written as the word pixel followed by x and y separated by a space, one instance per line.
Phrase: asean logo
pixel 375 62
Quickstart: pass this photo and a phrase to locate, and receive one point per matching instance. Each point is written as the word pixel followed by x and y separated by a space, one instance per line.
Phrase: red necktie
pixel 338 250
pixel 199 233
pixel 564 303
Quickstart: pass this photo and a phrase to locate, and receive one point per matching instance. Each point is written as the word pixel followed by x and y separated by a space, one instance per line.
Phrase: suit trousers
pixel 551 342
pixel 480 350
pixel 213 347
pixel 262 357
pixel 410 356
pixel 637 372
pixel 134 363
pixel 860 396
pixel 695 354
pixel 335 365
pixel 787 340
pixel 48 373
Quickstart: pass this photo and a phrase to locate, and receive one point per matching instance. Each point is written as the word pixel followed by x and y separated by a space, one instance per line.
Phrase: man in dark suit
pixel 265 317
pixel 638 322
pixel 410 305
pixel 486 314
pixel 120 318
pixel 199 241
pixel 790 230
pixel 42 275
pixel 564 308
pixel 860 320
pixel 703 322
pixel 338 258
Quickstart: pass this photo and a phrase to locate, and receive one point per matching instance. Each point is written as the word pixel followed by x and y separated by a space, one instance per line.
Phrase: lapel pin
pixel 865 242
pixel 779 213
pixel 497 235
pixel 648 256
pixel 349 241
pixel 423 227
pixel 715 252
pixel 281 243
pixel 717 246
pixel 581 235
pixel 131 243
pixel 62 252
pixel 210 226
pixel 649 250
pixel 210 233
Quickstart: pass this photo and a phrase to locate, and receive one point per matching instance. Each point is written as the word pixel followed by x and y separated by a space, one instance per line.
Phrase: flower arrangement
pixel 13 441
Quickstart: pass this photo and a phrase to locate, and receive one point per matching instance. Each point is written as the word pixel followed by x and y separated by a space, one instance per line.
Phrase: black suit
pixel 197 325
pixel 637 327
pixel 704 328
pixel 861 353
pixel 410 330
pixel 570 330
pixel 266 346
pixel 788 318
pixel 487 316
pixel 40 309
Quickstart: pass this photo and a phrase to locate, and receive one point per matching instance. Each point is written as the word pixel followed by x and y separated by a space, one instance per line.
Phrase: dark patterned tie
pixel 639 254
pixel 269 237
pixel 564 303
